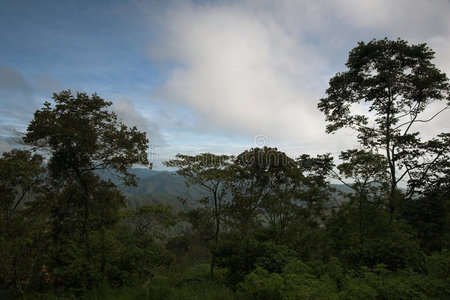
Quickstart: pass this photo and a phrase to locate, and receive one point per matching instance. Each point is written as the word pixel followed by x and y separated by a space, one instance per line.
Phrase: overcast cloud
pixel 205 76
pixel 260 67
pixel 127 113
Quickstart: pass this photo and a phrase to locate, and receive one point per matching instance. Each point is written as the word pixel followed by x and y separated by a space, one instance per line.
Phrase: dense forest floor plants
pixel 266 226
pixel 296 280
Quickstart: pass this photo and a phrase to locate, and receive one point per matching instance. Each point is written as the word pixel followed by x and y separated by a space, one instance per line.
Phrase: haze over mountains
pixel 167 187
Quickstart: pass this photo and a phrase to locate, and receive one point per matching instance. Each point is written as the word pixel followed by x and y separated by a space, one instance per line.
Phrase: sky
pixel 204 76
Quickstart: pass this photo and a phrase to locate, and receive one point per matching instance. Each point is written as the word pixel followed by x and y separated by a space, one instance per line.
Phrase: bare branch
pixel 422 121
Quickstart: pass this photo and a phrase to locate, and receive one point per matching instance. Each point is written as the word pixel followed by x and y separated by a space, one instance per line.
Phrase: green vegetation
pixel 260 225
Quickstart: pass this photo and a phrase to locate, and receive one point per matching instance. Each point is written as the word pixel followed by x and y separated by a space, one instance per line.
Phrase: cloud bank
pixel 127 113
pixel 255 68
pixel 206 76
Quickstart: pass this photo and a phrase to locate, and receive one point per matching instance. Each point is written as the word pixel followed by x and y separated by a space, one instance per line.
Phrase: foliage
pixel 76 207
pixel 395 82
pixel 260 175
pixel 210 173
pixel 82 135
pixel 262 220
pixel 20 176
pixel 22 232
pixel 430 215
pixel 149 220
pixel 381 240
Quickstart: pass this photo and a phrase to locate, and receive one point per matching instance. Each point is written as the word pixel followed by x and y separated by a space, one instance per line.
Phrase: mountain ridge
pixel 167 187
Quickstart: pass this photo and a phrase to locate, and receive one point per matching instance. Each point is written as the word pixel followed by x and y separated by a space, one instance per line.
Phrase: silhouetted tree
pixel 395 82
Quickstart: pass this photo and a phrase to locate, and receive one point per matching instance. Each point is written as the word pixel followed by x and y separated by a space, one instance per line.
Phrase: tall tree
pixel 370 183
pixel 20 175
pixel 258 174
pixel 210 173
pixel 299 193
pixel 22 231
pixel 147 221
pixel 395 82
pixel 270 187
pixel 82 135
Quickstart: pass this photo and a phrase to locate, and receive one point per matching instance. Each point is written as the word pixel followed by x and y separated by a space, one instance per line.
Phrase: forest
pixel 264 225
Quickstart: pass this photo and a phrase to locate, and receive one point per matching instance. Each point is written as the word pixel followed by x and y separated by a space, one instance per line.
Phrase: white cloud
pixel 254 68
pixel 5 146
pixel 126 111
pixel 243 71
pixel 417 19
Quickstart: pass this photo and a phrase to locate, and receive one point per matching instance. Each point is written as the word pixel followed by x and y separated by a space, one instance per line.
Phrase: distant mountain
pixel 155 187
pixel 169 188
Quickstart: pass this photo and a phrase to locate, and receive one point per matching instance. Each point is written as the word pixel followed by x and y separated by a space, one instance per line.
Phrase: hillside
pixel 169 188
pixel 160 187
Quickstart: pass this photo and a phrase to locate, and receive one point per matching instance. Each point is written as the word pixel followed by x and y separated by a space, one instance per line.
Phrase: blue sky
pixel 203 76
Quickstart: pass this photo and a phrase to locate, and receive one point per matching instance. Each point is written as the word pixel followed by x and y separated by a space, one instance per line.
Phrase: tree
pixel 370 184
pixel 20 174
pixel 210 173
pixel 82 136
pixel 22 233
pixel 147 220
pixel 262 187
pixel 395 82
pixel 300 192
pixel 270 186
pixel 316 186
pixel 429 215
pixel 437 176
pixel 259 177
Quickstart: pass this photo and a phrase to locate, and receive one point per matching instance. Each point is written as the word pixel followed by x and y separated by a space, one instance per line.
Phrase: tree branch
pixel 422 121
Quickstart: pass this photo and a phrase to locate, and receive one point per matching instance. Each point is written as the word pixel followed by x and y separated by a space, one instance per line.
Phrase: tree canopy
pixel 82 135
pixel 259 225
pixel 395 83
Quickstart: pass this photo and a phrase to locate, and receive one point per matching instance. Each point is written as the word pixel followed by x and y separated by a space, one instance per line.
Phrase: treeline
pixel 263 228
